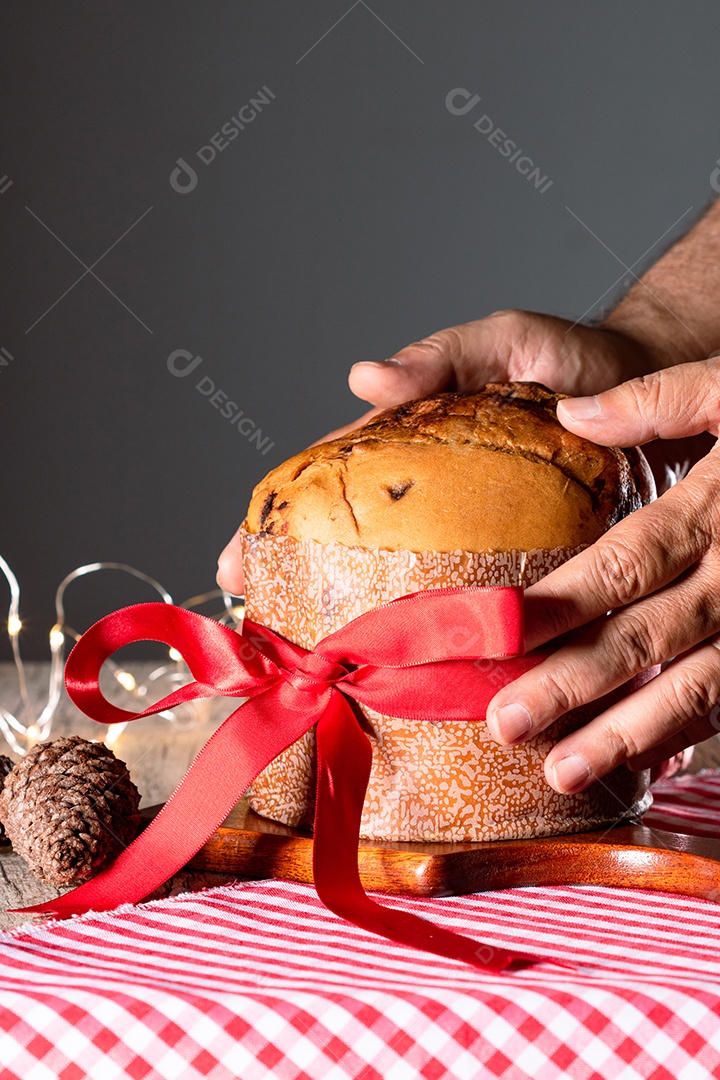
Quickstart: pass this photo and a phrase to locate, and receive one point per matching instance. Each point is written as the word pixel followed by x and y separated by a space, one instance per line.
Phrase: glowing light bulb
pixel 114 732
pixel 57 638
pixel 126 680
pixel 239 611
pixel 33 733
pixel 174 654
pixel 14 626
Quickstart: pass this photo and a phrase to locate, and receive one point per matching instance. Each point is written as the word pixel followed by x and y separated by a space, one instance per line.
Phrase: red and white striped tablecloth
pixel 258 980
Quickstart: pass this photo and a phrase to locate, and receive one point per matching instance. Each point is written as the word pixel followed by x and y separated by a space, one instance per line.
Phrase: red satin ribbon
pixel 414 658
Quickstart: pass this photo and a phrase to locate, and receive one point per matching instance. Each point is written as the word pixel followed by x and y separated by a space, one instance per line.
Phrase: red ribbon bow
pixel 400 659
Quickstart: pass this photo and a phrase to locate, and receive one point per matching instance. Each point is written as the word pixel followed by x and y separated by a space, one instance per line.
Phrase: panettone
pixel 454 489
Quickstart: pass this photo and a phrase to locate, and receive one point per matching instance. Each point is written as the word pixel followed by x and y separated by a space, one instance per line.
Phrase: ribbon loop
pixel 222 662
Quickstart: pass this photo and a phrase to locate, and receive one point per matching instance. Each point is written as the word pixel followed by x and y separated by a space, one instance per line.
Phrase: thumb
pixel 461 357
pixel 230 572
pixel 670 404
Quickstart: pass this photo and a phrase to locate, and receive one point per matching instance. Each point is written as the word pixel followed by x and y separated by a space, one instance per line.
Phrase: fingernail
pixel 581 408
pixel 379 363
pixel 511 723
pixel 571 774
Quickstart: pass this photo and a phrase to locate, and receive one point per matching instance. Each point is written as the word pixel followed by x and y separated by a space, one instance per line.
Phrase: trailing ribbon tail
pixel 344 757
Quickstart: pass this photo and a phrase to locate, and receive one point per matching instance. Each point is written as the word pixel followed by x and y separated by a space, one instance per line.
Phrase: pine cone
pixel 6 767
pixel 69 807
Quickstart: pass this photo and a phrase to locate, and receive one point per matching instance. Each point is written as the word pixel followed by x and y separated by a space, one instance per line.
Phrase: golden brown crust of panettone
pixel 492 470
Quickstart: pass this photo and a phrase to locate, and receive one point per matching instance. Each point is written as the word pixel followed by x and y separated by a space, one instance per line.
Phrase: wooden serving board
pixel 628 855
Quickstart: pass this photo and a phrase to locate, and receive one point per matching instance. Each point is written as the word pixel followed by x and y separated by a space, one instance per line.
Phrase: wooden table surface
pixel 157 753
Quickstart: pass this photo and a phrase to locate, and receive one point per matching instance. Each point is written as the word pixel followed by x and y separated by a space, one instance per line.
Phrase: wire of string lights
pixel 22 733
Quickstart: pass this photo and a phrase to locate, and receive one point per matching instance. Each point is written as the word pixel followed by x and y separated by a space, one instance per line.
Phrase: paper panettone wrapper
pixel 430 781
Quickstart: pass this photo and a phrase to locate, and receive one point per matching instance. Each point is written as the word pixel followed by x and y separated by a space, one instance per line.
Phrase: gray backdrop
pixel 353 212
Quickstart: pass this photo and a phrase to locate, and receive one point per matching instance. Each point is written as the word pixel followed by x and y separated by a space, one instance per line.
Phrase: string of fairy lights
pixel 33 726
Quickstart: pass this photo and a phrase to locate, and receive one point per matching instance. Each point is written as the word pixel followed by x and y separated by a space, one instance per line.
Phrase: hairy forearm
pixel 673 311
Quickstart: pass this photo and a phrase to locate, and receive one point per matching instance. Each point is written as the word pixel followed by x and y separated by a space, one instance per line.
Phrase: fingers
pixel 606 654
pixel 640 555
pixel 230 575
pixel 499 347
pixel 669 404
pixel 698 730
pixel 443 361
pixel 688 688
pixel 505 346
pixel 657 572
pixel 391 382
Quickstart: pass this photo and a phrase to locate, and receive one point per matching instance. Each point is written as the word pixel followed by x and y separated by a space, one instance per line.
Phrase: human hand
pixel 506 346
pixel 646 593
